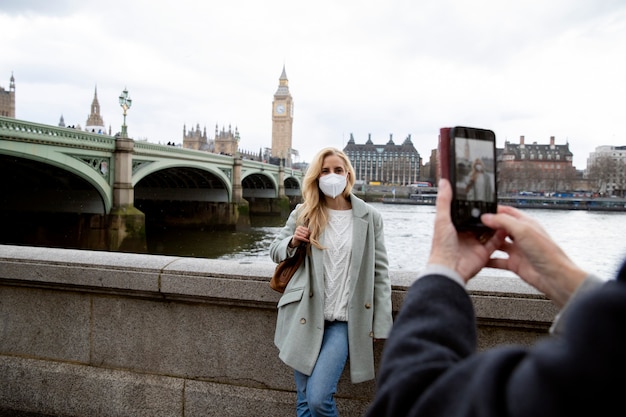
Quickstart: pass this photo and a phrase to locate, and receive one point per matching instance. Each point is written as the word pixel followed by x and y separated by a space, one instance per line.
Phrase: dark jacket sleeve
pixel 430 366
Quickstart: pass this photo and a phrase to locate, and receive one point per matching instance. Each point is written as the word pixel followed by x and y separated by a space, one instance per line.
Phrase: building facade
pixel 7 99
pixel 196 139
pixel 430 170
pixel 226 142
pixel 541 168
pixel 606 170
pixel 384 164
pixel 282 122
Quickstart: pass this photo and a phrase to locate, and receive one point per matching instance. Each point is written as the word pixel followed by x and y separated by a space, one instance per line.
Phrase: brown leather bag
pixel 285 270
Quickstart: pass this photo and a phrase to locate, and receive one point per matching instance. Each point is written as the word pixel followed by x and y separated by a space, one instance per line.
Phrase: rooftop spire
pixel 94 121
pixel 283 84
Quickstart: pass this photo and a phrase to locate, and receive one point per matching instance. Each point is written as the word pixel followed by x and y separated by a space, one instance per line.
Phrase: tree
pixel 517 176
pixel 535 176
pixel 619 177
pixel 506 175
pixel 600 171
pixel 560 177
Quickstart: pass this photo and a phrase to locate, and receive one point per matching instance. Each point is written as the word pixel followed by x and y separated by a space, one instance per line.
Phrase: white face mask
pixel 332 184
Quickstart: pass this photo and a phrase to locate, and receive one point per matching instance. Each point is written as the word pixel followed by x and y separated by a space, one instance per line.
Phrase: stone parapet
pixel 88 333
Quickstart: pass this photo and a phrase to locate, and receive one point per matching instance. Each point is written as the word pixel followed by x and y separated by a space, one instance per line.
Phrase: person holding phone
pixel 339 301
pixel 431 366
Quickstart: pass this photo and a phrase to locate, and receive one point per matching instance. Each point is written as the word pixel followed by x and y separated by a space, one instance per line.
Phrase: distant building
pixel 7 99
pixel 282 123
pixel 535 167
pixel 196 139
pixel 384 163
pixel 606 168
pixel 95 123
pixel 429 170
pixel 226 142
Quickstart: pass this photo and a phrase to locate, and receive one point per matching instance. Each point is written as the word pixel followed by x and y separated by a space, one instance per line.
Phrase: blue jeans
pixel 316 392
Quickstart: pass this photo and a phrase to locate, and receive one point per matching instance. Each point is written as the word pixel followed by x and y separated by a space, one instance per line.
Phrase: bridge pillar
pixel 282 205
pixel 242 208
pixel 237 187
pixel 281 181
pixel 126 225
pixel 123 193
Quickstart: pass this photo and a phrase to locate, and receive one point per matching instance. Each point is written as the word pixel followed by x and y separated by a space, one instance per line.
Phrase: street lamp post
pixel 125 102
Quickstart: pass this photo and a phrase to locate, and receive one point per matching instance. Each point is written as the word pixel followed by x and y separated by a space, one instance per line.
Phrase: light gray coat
pixel 300 323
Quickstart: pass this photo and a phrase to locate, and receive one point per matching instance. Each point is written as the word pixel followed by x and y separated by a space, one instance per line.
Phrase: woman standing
pixel 479 186
pixel 339 300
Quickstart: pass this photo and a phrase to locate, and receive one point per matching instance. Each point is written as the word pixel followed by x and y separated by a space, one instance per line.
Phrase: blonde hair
pixel 312 212
pixel 474 172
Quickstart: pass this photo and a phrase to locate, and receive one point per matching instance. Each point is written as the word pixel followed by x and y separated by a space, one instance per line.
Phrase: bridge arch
pixel 187 181
pixel 259 184
pixel 293 186
pixel 93 196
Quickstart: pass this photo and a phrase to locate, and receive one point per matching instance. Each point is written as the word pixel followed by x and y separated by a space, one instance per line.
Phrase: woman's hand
pixel 301 235
pixel 533 255
pixel 462 252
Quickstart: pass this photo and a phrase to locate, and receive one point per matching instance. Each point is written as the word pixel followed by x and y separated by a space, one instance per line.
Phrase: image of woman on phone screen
pixel 479 187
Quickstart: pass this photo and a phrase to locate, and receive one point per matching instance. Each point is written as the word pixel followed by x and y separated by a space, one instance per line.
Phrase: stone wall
pixel 87 333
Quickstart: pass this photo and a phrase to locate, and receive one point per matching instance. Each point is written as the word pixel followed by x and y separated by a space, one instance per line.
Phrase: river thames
pixel 594 240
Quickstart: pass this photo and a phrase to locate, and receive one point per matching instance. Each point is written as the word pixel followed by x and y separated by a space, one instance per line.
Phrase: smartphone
pixel 468 159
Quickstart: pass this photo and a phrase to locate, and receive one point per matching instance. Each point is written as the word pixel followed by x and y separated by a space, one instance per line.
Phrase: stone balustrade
pixel 87 333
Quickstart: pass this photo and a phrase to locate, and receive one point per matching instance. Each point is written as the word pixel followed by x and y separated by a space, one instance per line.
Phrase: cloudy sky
pixel 534 68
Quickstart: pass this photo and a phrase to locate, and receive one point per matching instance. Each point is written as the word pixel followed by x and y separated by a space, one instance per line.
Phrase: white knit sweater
pixel 337 258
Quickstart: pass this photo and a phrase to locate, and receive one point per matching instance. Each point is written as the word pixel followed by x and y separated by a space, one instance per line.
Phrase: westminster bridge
pixel 110 187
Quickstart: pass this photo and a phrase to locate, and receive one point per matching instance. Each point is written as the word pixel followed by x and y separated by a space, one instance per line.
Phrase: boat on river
pixel 565 203
pixel 409 201
pixel 617 204
pixel 423 196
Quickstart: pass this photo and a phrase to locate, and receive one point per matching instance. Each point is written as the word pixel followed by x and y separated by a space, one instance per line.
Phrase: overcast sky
pixel 534 68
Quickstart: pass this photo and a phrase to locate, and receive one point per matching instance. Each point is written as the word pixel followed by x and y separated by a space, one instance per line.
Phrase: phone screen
pixel 472 175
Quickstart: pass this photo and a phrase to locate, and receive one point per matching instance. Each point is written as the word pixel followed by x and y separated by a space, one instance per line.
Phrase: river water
pixel 594 240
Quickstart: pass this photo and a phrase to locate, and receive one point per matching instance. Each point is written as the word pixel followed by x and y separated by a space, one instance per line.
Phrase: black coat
pixel 430 366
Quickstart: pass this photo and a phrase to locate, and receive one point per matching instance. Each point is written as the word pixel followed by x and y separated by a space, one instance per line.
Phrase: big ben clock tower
pixel 282 120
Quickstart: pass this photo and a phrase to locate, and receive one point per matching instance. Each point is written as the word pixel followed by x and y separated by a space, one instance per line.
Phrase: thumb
pixel 444 198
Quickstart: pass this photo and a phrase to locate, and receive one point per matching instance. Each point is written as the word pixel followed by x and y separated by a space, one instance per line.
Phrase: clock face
pixel 280 109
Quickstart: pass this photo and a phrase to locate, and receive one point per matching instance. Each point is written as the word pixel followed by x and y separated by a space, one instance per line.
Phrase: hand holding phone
pixel 467 157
